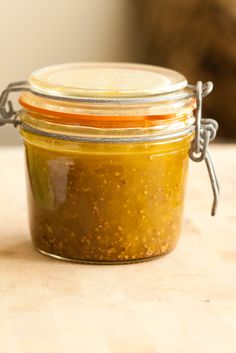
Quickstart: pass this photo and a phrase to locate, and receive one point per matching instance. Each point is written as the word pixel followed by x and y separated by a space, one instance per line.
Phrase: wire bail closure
pixel 205 131
pixel 8 115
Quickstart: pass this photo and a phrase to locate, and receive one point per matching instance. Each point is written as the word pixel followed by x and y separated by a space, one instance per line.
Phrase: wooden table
pixel 181 303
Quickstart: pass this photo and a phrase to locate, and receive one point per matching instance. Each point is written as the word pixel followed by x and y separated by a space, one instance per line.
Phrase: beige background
pixel 40 33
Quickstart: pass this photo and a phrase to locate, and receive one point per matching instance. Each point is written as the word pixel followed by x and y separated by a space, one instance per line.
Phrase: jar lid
pixel 107 93
pixel 105 80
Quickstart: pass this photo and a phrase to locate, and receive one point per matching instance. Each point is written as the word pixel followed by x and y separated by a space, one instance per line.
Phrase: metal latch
pixel 8 115
pixel 205 131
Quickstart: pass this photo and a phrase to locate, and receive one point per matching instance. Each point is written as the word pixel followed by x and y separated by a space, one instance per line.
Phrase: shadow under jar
pixel 107 150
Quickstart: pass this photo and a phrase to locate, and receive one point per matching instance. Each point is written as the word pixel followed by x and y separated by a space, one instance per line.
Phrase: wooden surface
pixel 184 302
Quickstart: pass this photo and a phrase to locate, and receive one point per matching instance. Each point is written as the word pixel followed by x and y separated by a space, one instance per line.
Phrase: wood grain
pixel 184 302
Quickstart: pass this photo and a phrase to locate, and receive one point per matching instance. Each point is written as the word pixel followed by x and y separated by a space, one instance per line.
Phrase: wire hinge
pixel 8 115
pixel 205 131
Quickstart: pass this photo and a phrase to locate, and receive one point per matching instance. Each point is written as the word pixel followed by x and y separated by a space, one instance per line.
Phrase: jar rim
pixel 160 131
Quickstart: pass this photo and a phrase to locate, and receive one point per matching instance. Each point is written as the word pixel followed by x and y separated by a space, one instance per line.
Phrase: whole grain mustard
pixel 105 202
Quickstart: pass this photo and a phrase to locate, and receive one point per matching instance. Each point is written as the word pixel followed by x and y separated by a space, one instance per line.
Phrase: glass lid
pixel 107 80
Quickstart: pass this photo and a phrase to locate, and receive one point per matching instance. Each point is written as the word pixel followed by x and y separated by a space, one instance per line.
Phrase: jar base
pixel 94 262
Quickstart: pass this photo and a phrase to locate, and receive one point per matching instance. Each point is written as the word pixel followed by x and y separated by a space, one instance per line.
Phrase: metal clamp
pixel 205 131
pixel 8 115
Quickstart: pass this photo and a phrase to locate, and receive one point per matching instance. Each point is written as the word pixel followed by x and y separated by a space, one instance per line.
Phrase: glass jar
pixel 107 149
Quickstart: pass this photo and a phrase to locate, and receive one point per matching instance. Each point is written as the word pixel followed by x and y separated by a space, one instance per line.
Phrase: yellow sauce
pixel 105 202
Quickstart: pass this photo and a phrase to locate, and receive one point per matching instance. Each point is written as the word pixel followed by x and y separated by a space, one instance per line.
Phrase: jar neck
pixel 148 130
pixel 109 114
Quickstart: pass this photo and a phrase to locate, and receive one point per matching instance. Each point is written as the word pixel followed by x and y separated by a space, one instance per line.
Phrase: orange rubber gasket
pixel 98 120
